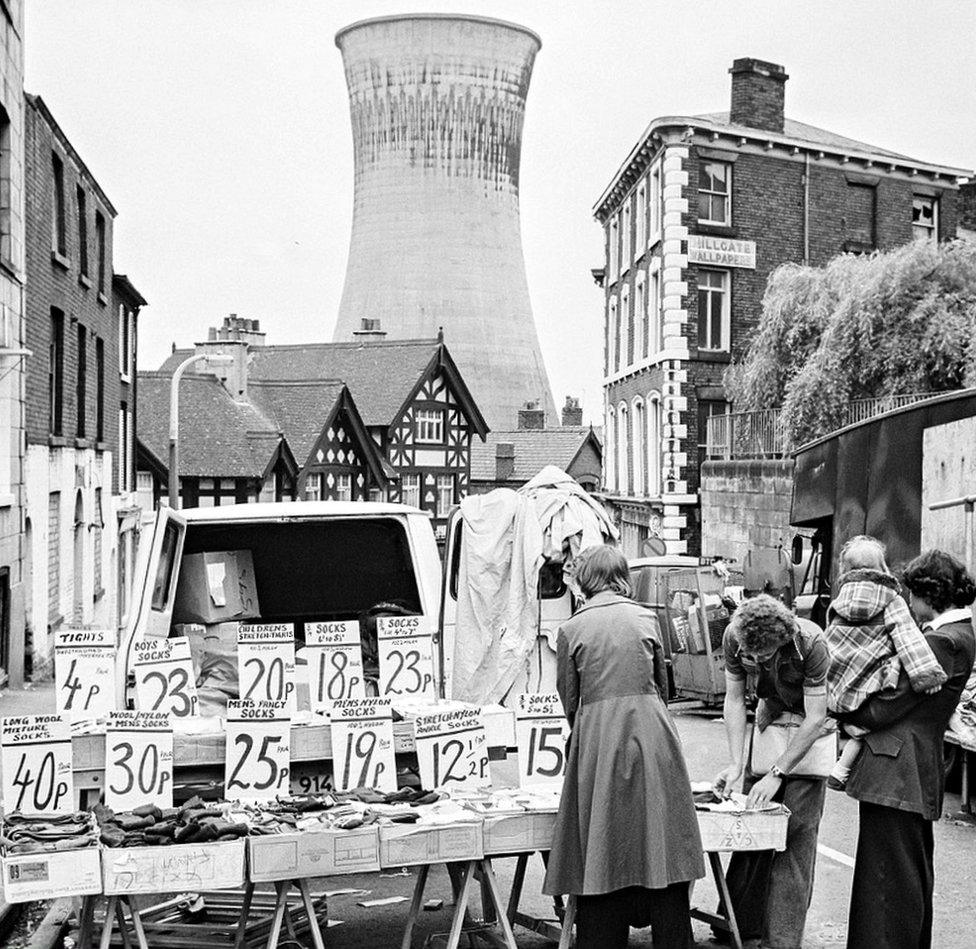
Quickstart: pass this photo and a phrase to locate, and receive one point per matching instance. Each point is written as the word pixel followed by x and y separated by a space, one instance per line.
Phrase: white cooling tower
pixel 437 105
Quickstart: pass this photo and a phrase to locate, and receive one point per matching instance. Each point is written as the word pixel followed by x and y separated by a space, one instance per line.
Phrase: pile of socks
pixel 149 826
pixel 48 833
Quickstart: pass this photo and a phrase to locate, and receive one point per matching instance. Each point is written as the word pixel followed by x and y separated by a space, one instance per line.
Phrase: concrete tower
pixel 437 105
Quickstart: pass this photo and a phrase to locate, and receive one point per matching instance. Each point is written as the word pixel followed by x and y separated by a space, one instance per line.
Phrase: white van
pixel 312 561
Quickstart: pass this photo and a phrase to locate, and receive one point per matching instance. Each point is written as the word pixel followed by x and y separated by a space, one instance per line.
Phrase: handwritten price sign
pixel 164 677
pixel 406 660
pixel 35 754
pixel 335 663
pixel 138 760
pixel 266 663
pixel 84 673
pixel 362 744
pixel 541 731
pixel 452 750
pixel 257 750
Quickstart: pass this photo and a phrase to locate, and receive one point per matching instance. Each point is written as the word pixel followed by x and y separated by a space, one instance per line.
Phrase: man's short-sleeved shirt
pixel 797 667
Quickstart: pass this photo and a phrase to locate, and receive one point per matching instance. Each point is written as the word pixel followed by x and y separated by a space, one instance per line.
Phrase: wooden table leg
pixel 457 923
pixel 289 922
pixel 123 928
pixel 86 921
pixel 517 883
pixel 245 913
pixel 313 922
pixel 496 897
pixel 137 926
pixel 569 920
pixel 964 771
pixel 723 891
pixel 281 905
pixel 105 941
pixel 418 897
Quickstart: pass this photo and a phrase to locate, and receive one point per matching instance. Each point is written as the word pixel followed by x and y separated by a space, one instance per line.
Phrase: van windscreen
pixel 319 569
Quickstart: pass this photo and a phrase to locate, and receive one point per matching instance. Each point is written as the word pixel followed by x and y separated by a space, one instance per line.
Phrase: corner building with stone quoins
pixel 696 218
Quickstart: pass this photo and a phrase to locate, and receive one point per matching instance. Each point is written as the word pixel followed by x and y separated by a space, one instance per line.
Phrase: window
pixel 715 192
pixel 82 232
pixel 125 339
pixel 445 494
pixel 57 207
pixel 623 449
pixel 6 204
pixel 54 557
pixel 125 420
pixel 376 494
pixel 609 452
pixel 313 487
pixel 625 236
pixel 640 317
pixel 640 241
pixel 713 310
pixel 707 408
pixel 613 237
pixel 411 489
pixel 55 383
pixel 100 240
pixel 344 487
pixel 430 425
pixel 655 202
pixel 97 530
pixel 81 381
pixel 638 434
pixel 653 445
pixel 613 341
pixel 925 217
pixel 652 335
pixel 626 316
pixel 859 217
pixel 100 389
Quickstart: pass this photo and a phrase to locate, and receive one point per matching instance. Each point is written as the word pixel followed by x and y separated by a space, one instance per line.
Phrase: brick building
pixel 699 214
pixel 14 562
pixel 81 328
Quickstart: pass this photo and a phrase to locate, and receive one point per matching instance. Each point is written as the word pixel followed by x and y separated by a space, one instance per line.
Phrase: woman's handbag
pixel 766 748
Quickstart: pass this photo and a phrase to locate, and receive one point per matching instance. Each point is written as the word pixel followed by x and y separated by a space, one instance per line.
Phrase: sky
pixel 220 131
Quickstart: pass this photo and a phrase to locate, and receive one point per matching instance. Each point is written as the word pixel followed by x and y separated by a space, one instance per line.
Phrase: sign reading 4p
pixel 257 750
pixel 266 663
pixel 138 760
pixel 164 677
pixel 406 661
pixel 84 672
pixel 541 731
pixel 35 756
pixel 452 749
pixel 335 663
pixel 362 744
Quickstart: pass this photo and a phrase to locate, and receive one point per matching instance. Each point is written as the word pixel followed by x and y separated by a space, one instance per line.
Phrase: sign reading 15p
pixel 541 731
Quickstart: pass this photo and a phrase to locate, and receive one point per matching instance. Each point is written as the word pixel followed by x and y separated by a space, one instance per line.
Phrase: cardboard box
pixel 48 876
pixel 313 853
pixel 212 866
pixel 744 831
pixel 406 845
pixel 215 587
pixel 519 833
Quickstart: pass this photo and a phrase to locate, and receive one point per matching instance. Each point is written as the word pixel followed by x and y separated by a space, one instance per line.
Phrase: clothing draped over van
pixel 626 817
pixel 506 537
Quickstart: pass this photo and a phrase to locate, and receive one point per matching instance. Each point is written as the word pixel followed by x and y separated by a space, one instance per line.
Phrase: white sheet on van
pixel 506 537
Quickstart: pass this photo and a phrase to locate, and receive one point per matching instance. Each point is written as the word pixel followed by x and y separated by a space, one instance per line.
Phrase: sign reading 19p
pixel 541 731
pixel 36 765
pixel 406 660
pixel 362 745
pixel 84 672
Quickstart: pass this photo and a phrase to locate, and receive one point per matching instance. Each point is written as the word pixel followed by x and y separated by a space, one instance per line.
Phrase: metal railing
pixel 763 434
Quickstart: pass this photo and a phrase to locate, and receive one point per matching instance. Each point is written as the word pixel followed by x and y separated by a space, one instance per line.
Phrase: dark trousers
pixel 891 896
pixel 771 890
pixel 604 921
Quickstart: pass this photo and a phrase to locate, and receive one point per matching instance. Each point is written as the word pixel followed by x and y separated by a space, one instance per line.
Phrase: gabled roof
pixel 534 449
pixel 298 407
pixel 218 436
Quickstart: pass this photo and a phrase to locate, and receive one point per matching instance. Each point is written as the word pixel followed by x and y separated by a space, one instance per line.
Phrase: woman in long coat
pixel 626 839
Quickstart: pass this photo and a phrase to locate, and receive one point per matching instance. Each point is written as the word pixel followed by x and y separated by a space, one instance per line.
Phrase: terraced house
pixel 698 215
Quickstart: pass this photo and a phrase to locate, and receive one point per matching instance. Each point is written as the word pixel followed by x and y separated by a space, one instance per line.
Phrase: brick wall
pixel 745 505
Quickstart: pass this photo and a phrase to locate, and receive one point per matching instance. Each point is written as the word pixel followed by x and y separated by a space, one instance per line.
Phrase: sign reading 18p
pixel 335 663
pixel 257 750
pixel 266 663
pixel 36 764
pixel 84 672
pixel 406 661
pixel 541 731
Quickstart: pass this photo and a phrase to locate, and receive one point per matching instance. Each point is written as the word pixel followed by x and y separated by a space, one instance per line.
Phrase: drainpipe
pixel 806 209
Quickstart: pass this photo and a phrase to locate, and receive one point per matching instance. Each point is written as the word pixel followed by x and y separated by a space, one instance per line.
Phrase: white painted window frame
pixel 726 312
pixel 726 194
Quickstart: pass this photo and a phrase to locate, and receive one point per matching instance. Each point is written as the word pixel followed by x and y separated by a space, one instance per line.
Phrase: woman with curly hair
pixel 784 660
pixel 899 777
pixel 626 841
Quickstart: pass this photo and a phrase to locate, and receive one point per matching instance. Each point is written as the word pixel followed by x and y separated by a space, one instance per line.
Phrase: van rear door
pixel 154 586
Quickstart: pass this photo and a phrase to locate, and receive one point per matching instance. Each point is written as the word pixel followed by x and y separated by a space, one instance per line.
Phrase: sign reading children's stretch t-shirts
pixel 406 661
pixel 335 663
pixel 138 760
pixel 164 677
pixel 84 672
pixel 266 663
pixel 35 756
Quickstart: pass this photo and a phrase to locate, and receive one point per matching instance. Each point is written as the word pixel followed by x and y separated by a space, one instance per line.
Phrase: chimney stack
pixel 758 94
pixel 531 417
pixel 504 461
pixel 572 411
pixel 237 329
pixel 369 329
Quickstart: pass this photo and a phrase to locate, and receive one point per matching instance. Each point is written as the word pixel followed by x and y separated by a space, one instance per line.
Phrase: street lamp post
pixel 174 418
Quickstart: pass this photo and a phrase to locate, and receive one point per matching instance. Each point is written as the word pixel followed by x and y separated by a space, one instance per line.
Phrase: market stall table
pixel 966 749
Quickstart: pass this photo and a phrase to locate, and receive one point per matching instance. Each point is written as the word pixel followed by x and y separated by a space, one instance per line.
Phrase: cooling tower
pixel 437 105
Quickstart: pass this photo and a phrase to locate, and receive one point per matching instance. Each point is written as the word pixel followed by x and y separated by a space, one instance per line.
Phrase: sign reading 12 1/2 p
pixel 541 731
pixel 452 749
pixel 138 760
pixel 335 663
pixel 84 672
pixel 35 757
pixel 406 660
pixel 257 750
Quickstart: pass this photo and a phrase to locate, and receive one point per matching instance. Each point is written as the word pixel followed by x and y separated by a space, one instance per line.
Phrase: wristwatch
pixel 777 772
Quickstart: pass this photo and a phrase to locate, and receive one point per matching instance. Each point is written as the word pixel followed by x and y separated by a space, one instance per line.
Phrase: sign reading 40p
pixel 36 765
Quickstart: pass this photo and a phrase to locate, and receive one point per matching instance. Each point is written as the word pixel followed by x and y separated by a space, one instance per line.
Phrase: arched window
pixel 609 451
pixel 640 316
pixel 613 343
pixel 639 446
pixel 624 483
pixel 654 444
pixel 626 316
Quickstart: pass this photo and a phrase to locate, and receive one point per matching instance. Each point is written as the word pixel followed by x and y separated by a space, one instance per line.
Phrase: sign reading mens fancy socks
pixel 138 760
pixel 406 659
pixel 84 672
pixel 257 750
pixel 335 663
pixel 35 756
pixel 362 745
pixel 266 663
pixel 164 677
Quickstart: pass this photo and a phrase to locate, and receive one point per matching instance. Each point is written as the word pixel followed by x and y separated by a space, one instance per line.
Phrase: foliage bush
pixel 892 323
